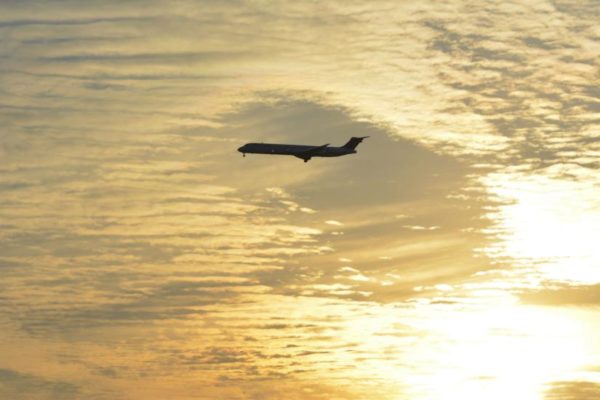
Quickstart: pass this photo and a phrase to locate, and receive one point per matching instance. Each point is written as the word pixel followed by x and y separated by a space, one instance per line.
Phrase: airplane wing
pixel 307 155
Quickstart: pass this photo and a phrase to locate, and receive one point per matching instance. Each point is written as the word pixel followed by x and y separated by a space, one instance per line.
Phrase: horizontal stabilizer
pixel 353 142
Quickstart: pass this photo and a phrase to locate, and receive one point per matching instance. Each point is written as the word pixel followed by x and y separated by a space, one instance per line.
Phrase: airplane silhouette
pixel 302 151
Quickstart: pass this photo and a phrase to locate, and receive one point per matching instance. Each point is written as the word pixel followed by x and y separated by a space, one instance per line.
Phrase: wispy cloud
pixel 573 390
pixel 134 236
pixel 18 23
pixel 18 385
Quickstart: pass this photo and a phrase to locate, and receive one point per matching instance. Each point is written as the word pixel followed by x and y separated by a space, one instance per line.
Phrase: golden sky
pixel 455 257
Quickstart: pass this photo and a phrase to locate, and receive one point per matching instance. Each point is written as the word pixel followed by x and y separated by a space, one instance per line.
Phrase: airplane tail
pixel 353 142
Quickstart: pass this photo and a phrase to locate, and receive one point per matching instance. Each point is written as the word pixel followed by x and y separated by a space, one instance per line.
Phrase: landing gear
pixel 243 154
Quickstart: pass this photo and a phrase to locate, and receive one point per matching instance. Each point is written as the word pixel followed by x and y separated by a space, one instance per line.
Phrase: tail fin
pixel 353 142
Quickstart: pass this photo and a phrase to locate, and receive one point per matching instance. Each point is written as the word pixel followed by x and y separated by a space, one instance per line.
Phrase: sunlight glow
pixel 548 223
pixel 496 353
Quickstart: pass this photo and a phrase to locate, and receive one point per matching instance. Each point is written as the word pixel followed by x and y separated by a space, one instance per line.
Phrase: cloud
pixel 18 23
pixel 16 385
pixel 152 58
pixel 564 295
pixel 134 236
pixel 574 390
pixel 333 222
pixel 192 230
pixel 510 78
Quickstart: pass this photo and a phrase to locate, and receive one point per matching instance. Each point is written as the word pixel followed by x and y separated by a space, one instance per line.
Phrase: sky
pixel 454 257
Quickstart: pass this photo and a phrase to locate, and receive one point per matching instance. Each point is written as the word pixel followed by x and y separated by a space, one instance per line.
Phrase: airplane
pixel 302 151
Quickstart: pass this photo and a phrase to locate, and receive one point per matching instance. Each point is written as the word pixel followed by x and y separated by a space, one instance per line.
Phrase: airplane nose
pixel 241 149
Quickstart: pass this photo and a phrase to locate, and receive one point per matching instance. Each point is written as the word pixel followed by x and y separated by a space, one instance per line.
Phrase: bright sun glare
pixel 499 353
pixel 548 224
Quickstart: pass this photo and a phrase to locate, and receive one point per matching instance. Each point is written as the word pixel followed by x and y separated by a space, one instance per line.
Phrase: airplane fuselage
pixel 293 150
pixel 301 151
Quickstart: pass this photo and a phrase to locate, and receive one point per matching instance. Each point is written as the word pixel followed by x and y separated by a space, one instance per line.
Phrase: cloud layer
pixel 143 257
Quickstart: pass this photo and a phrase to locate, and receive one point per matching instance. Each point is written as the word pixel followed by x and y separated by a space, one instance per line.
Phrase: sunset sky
pixel 455 257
